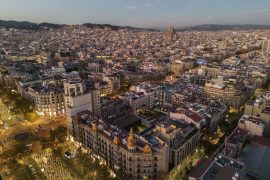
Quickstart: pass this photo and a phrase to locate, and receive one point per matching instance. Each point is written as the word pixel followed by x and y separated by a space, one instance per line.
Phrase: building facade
pixel 234 95
pixel 48 100
pixel 78 98
pixel 252 124
pixel 181 136
pixel 126 153
pixel 259 108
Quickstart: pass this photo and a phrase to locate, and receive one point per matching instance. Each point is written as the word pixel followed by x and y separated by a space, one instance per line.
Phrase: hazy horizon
pixel 139 13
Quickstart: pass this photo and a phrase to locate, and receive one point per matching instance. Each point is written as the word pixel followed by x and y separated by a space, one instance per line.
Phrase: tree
pixel 59 134
pixel 17 150
pixel 20 171
pixel 24 105
pixel 46 143
pixel 12 95
pixel 57 151
pixel 161 176
pixel 25 173
pixel 92 166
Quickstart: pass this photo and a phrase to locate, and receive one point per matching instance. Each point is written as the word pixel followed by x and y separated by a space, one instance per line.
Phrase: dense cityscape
pixel 105 102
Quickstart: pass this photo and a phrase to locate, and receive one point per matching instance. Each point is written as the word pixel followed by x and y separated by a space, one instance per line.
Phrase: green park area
pixel 33 148
pixel 14 108
pixel 51 157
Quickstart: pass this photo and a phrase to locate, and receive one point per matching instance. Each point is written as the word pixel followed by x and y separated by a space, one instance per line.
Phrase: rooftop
pixel 219 168
pixel 110 131
pixel 257 160
pixel 237 136
pixel 252 119
pixel 47 89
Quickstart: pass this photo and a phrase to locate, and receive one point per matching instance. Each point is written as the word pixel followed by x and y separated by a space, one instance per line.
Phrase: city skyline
pixel 141 13
pixel 134 89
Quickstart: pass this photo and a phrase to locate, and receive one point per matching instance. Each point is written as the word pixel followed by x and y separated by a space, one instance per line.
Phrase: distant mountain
pixel 115 28
pixel 17 24
pixel 204 27
pixel 50 25
pixel 28 25
pixel 215 27
pixel 35 26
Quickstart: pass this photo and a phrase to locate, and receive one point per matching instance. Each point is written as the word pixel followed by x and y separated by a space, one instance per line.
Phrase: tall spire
pixel 94 127
pixel 171 33
pixel 131 139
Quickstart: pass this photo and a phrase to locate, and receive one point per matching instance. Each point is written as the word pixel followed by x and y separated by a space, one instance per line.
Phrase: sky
pixel 138 13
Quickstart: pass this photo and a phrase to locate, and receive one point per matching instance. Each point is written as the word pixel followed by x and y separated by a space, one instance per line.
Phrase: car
pixel 69 155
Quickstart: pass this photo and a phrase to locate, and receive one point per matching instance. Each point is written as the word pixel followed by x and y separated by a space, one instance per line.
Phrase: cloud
pixel 261 11
pixel 247 13
pixel 193 2
pixel 133 8
pixel 152 3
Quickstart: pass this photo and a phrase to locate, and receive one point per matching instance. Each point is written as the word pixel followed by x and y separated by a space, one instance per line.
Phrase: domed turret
pixel 147 149
pixel 117 140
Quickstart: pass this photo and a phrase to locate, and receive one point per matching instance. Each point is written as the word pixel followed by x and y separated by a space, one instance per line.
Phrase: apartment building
pixel 153 93
pixel 79 97
pixel 253 125
pixel 137 156
pixel 260 108
pixel 233 94
pixel 48 100
pixel 182 138
pixel 189 116
pixel 135 100
pixel 141 156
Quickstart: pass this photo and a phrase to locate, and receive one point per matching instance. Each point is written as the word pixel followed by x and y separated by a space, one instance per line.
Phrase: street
pixel 42 123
